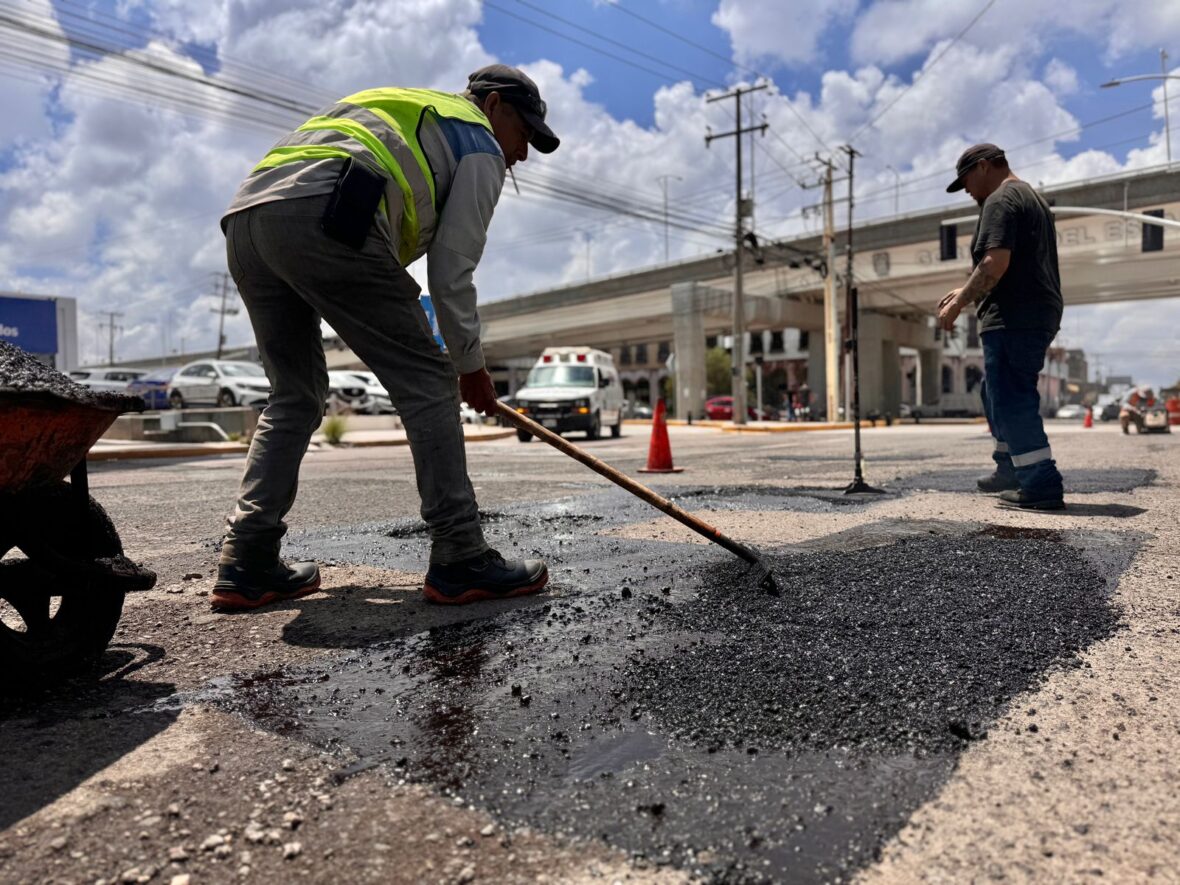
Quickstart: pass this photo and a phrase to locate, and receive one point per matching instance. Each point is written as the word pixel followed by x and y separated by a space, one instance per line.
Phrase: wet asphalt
pixel 653 699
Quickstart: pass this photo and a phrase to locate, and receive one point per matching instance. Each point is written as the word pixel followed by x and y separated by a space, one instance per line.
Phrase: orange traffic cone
pixel 1088 420
pixel 659 453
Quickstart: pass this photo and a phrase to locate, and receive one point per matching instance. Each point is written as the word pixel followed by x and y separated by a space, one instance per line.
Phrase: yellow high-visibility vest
pixel 379 127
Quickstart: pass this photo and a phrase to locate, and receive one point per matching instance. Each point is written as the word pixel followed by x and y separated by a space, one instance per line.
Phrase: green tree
pixel 718 366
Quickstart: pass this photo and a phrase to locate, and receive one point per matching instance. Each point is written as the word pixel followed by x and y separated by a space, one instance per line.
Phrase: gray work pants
pixel 290 275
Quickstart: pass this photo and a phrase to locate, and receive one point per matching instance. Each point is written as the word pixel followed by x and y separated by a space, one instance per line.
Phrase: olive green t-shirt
pixel 1028 295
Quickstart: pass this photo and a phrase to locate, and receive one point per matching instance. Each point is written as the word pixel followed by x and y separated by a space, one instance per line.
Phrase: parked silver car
pixel 106 379
pixel 224 383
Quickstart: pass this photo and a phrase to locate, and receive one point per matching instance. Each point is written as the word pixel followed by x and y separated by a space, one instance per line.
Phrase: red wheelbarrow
pixel 60 602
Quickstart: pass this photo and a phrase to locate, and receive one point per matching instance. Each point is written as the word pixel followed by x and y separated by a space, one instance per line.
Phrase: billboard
pixel 29 323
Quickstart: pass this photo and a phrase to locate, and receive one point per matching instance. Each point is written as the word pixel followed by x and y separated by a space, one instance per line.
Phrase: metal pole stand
pixel 858 486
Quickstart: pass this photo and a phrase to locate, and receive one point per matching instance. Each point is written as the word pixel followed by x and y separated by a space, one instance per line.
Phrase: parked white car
pixel 381 402
pixel 224 383
pixel 468 415
pixel 1072 412
pixel 347 393
pixel 106 379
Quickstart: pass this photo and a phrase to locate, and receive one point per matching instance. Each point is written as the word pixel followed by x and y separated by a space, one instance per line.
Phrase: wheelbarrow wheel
pixel 57 620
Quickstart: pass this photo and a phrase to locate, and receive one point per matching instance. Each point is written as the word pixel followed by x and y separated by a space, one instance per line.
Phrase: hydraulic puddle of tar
pixel 736 736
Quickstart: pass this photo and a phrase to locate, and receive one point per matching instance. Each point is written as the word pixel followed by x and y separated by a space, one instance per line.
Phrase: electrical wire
pixel 881 113
pixel 617 4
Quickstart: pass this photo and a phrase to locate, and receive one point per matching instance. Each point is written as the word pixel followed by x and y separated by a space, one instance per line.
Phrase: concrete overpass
pixel 898 270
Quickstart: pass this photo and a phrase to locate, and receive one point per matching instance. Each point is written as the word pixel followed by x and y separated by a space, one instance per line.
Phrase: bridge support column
pixel 881 336
pixel 929 376
pixel 817 374
pixel 688 342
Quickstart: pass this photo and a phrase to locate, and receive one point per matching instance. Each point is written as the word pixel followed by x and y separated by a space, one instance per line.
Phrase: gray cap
pixel 517 88
pixel 967 162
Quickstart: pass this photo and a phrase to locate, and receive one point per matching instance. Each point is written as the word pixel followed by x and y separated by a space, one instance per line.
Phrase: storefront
pixel 43 325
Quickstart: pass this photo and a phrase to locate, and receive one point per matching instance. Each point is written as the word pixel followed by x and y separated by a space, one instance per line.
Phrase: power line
pixel 924 70
pixel 490 5
pixel 693 74
pixel 617 4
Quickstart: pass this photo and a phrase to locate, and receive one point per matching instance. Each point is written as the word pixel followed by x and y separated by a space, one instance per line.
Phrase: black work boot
pixel 487 576
pixel 999 481
pixel 1046 500
pixel 245 587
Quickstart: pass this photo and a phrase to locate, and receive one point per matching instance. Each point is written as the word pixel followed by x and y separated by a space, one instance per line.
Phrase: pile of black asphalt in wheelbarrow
pixel 23 373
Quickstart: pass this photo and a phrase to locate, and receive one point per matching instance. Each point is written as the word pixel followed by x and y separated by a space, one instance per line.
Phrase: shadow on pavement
pixel 54 739
pixel 1115 511
pixel 357 616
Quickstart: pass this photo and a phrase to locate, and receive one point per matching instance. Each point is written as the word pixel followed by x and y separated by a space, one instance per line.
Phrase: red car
pixel 720 408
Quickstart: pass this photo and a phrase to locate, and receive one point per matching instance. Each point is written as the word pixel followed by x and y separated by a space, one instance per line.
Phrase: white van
pixel 573 388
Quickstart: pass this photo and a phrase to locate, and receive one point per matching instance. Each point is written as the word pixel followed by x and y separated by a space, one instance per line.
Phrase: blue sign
pixel 432 318
pixel 29 323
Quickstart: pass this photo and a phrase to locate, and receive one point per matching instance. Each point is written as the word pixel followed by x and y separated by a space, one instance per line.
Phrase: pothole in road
pixel 683 718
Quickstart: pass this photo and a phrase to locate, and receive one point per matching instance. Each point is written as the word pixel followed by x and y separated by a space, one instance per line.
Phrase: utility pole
pixel 832 347
pixel 223 311
pixel 741 211
pixel 858 484
pixel 663 180
pixel 111 316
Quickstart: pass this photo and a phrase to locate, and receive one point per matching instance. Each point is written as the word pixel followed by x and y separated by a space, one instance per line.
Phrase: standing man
pixel 323 228
pixel 1016 288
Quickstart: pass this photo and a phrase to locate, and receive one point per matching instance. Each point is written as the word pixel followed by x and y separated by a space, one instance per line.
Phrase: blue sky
pixel 105 195
pixel 516 33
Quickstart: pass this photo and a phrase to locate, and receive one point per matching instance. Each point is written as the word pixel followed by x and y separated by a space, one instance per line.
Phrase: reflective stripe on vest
pixel 380 127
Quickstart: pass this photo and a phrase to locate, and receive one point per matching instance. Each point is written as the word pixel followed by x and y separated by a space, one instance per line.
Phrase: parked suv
pixel 222 383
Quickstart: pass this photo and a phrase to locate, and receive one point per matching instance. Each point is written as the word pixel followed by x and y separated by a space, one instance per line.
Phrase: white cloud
pixel 1061 77
pixel 890 31
pixel 788 32
pixel 119 204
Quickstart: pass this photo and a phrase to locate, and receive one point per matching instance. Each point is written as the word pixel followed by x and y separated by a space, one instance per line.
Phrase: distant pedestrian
pixel 323 228
pixel 1016 287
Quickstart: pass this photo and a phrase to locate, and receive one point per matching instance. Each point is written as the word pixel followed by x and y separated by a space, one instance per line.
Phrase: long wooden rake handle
pixel 637 489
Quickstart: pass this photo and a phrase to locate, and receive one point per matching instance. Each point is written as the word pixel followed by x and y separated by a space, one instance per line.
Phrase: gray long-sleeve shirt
pixel 469 171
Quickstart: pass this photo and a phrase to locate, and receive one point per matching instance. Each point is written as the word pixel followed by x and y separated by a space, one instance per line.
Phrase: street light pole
pixel 1165 77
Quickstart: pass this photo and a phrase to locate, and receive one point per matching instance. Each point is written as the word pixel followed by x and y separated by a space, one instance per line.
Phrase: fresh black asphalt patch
pixel 654 701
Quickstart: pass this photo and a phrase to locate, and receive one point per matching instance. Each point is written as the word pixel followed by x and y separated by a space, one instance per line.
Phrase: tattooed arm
pixel 983 279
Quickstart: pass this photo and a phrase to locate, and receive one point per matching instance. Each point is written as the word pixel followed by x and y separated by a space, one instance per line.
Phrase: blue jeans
pixel 1012 360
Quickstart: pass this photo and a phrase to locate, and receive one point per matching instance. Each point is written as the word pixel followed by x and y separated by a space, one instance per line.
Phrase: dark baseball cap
pixel 967 162
pixel 518 89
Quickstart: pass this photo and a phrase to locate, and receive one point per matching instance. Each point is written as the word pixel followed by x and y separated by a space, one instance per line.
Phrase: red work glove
pixel 477 391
